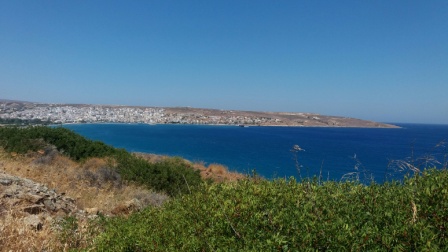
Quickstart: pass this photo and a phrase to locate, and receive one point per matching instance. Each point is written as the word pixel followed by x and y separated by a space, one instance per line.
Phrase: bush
pixel 284 215
pixel 49 153
pixel 217 169
pixel 174 176
pixel 22 140
pixel 102 176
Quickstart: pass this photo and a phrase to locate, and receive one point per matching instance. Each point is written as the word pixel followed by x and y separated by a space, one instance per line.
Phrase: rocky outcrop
pixel 33 202
pixel 34 197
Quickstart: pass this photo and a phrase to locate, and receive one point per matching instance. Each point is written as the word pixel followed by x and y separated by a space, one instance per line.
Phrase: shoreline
pixel 84 113
pixel 389 126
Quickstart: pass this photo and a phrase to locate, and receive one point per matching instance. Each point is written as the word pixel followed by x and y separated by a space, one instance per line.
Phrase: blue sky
pixel 377 60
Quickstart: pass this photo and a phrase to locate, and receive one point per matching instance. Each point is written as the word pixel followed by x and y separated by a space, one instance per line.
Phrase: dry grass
pixel 70 177
pixel 94 186
pixel 217 169
pixel 152 158
pixel 15 235
pixel 217 172
pixel 66 176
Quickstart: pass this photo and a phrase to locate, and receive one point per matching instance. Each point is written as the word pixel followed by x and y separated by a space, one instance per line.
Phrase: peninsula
pixel 85 113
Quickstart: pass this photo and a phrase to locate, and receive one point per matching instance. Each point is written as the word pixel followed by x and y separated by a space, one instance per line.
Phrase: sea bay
pixel 328 152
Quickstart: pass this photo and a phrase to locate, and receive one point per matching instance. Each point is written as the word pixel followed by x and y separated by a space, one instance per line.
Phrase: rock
pixel 49 219
pixel 33 221
pixel 34 209
pixel 11 191
pixel 37 198
pixel 5 182
pixel 49 204
pixel 68 199
pixel 93 210
pixel 33 198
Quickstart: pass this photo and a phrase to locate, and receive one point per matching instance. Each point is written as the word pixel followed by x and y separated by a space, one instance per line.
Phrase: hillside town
pixel 116 114
pixel 81 113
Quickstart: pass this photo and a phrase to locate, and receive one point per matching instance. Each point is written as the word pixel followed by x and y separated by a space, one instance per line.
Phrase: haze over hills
pixel 86 113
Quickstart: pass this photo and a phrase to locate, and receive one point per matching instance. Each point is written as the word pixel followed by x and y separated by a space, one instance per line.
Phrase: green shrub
pixel 16 121
pixel 284 215
pixel 174 176
pixel 22 140
pixel 68 231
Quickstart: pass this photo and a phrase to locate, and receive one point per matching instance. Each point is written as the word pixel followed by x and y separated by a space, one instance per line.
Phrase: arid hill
pixel 257 118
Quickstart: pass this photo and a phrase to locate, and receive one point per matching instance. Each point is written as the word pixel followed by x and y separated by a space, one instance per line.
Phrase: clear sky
pixel 377 60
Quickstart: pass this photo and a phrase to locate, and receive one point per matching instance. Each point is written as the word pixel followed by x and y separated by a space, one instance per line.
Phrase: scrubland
pixel 94 187
pixel 143 202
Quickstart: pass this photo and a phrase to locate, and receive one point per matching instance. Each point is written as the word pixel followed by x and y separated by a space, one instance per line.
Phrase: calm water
pixel 329 151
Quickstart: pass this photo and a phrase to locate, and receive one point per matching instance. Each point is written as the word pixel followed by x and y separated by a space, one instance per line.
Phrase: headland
pixel 85 113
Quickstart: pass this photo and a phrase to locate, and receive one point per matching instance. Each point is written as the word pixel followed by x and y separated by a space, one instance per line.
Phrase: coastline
pixel 387 126
pixel 84 113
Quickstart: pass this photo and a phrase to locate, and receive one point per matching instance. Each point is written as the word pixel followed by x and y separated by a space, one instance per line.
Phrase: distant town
pixel 82 113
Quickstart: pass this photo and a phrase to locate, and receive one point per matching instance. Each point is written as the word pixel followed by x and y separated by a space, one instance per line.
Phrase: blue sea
pixel 327 152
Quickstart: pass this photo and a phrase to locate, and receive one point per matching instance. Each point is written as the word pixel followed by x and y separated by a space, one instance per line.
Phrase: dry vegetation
pixel 95 187
pixel 15 235
pixel 91 183
pixel 215 172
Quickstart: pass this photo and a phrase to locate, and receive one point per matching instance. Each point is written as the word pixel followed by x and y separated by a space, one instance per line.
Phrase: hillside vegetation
pixel 286 215
pixel 251 214
pixel 173 176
